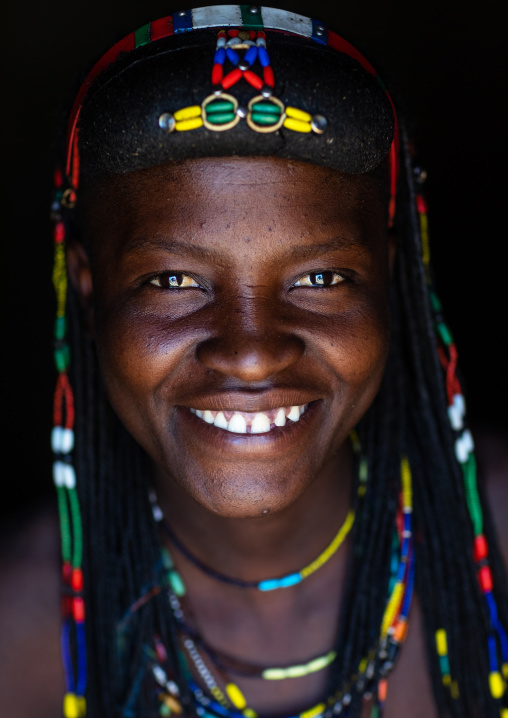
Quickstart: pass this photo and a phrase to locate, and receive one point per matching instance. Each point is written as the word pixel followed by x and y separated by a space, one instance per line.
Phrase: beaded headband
pixel 343 118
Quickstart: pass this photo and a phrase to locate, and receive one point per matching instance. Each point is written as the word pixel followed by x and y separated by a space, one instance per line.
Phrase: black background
pixel 446 60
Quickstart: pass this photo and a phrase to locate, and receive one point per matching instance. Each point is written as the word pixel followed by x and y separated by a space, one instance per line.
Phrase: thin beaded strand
pixel 64 477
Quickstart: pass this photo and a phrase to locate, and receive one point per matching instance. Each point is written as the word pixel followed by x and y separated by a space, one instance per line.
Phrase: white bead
pixel 58 476
pixel 56 439
pixel 67 441
pixel 460 451
pixel 460 402
pixel 455 417
pixel 69 476
pixel 157 512
pixel 221 42
pixel 467 437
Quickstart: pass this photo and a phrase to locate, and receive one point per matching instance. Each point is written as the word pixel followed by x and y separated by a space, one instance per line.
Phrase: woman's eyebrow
pixel 171 246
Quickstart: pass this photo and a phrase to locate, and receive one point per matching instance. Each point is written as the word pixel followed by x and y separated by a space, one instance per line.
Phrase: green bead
pixel 142 35
pixel 167 561
pixel 176 583
pixel 266 108
pixel 435 303
pixel 164 710
pixel 260 119
pixel 219 106
pixel 221 119
pixel 60 327
pixel 62 357
pixel 445 334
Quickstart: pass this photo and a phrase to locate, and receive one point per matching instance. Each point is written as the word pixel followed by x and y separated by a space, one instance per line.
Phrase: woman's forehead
pixel 234 197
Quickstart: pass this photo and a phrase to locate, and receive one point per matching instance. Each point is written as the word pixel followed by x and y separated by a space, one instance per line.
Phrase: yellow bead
pixel 296 671
pixel 81 706
pixel 313 711
pixel 189 124
pixel 447 680
pixel 297 114
pixel 236 696
pixel 504 712
pixel 496 684
pixel 249 713
pixel 187 113
pixel 274 674
pixel 454 690
pixel 71 706
pixel 173 705
pixel 505 670
pixel 441 642
pixel 297 125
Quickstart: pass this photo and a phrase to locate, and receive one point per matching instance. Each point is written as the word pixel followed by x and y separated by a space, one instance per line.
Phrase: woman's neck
pixel 269 545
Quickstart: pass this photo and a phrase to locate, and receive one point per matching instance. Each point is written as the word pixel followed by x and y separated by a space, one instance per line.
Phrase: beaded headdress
pixel 245 84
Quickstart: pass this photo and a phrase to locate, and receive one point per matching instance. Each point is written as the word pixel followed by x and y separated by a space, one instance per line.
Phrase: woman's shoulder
pixel 31 678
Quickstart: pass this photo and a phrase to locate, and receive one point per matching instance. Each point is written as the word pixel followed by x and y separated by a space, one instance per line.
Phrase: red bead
pixel 233 33
pixel 252 34
pixel 217 73
pixel 66 572
pixel 421 205
pixel 231 78
pixel 59 232
pixel 58 177
pixel 481 550
pixel 253 79
pixel 262 34
pixel 485 579
pixel 66 606
pixel 268 76
pixel 78 609
pixel 77 579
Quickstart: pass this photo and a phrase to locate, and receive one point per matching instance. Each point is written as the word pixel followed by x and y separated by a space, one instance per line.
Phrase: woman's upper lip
pixel 240 401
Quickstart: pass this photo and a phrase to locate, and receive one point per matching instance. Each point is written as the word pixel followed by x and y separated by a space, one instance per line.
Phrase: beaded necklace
pixel 271 584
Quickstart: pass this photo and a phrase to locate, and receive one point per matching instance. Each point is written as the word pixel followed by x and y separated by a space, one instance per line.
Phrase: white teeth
pixel 221 421
pixel 260 424
pixel 237 424
pixel 294 414
pixel 280 418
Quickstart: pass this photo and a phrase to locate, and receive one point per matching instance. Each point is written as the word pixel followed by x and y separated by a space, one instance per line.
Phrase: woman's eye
pixel 174 280
pixel 319 279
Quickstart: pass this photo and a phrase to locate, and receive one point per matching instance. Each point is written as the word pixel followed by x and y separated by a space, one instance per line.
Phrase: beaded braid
pixel 419 413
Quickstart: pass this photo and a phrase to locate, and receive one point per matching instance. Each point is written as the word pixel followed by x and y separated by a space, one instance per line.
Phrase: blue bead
pixel 232 56
pixel 290 580
pixel 405 547
pixel 220 56
pixel 492 654
pixel 407 522
pixel 263 56
pixel 251 55
pixel 269 584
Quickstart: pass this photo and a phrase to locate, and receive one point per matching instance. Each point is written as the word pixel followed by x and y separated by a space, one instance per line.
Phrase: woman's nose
pixel 250 356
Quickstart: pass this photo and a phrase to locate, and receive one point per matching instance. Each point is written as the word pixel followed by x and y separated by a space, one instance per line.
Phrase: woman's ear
pixel 80 274
pixel 392 250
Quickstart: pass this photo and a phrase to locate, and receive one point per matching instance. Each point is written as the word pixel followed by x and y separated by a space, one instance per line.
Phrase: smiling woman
pixel 260 438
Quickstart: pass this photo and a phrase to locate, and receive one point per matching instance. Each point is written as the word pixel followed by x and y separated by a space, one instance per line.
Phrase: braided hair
pixel 110 541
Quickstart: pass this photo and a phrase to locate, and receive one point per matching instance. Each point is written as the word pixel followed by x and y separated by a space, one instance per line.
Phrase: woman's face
pixel 237 291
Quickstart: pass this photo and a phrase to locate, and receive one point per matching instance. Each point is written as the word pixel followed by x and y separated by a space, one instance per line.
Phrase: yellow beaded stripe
pixel 60 279
pixel 277 674
pixel 332 548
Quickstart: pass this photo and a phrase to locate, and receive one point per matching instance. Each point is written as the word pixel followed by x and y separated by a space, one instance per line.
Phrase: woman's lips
pixel 246 422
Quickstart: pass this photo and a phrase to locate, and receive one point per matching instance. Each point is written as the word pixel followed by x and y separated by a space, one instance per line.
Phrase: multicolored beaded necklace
pixel 218 111
pixel 270 584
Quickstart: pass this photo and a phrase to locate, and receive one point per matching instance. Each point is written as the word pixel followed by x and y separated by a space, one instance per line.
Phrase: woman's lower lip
pixel 277 440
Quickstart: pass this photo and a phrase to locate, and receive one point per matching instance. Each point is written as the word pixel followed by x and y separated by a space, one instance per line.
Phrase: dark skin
pixel 248 329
